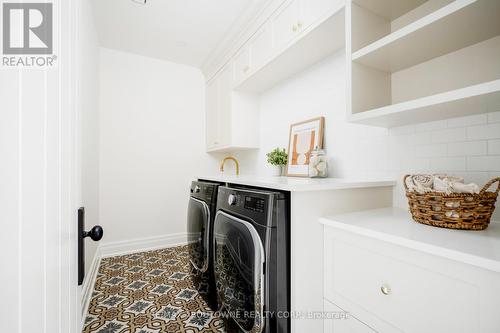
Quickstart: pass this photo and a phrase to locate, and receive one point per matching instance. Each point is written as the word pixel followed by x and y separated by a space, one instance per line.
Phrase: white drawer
pixel 339 321
pixel 408 297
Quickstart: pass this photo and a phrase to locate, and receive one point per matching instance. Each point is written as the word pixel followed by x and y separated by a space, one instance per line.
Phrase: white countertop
pixel 300 184
pixel 395 225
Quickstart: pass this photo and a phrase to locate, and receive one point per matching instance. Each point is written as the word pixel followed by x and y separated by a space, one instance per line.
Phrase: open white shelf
pixel 457 25
pixel 414 61
pixel 480 98
pixel 389 9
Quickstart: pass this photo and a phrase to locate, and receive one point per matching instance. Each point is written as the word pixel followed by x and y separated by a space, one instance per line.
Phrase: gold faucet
pixel 232 159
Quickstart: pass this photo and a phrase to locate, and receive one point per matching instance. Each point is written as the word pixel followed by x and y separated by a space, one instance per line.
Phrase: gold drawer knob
pixel 385 289
pixel 294 27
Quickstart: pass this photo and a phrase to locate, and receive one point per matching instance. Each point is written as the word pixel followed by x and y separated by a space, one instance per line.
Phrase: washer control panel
pixel 254 203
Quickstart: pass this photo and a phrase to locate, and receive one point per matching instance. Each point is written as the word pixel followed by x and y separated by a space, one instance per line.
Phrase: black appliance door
pixel 198 233
pixel 239 271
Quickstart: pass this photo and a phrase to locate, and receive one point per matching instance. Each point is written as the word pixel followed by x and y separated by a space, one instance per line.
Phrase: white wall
pixel 152 144
pixel 469 147
pixel 89 96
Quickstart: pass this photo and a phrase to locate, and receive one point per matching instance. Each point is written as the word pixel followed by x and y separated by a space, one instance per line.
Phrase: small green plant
pixel 277 156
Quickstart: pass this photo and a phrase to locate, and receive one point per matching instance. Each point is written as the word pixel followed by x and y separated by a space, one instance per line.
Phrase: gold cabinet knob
pixel 294 27
pixel 300 24
pixel 385 289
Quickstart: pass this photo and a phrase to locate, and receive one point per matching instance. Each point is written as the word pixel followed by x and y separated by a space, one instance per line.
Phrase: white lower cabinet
pixel 391 288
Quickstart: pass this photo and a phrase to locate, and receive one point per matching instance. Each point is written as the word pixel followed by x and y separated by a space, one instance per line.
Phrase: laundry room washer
pixel 252 258
pixel 200 219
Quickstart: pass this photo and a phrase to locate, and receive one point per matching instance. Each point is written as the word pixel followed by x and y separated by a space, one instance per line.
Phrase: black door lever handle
pixel 95 233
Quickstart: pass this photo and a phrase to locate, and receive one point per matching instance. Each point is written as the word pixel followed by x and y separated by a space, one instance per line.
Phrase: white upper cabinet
pixel 298 34
pixel 211 103
pixel 242 64
pixel 218 109
pixel 232 117
pixel 296 15
pixel 224 115
pixel 261 47
pixel 285 23
pixel 290 37
pixel 313 10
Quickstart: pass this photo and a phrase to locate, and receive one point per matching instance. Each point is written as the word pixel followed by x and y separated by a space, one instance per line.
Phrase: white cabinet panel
pixel 313 10
pixel 242 64
pixel 401 292
pixel 285 24
pixel 224 111
pixel 261 47
pixel 395 289
pixel 339 321
pixel 211 105
pixel 231 117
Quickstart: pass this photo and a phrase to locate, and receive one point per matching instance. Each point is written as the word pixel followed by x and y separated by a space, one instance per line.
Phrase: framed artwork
pixel 304 137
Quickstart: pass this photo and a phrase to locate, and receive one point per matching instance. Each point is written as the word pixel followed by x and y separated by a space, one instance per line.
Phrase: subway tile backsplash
pixel 467 147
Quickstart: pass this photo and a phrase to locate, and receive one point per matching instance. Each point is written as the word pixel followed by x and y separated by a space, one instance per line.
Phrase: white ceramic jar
pixel 318 164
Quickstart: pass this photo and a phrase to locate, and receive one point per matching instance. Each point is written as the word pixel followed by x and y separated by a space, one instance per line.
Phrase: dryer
pixel 252 258
pixel 200 218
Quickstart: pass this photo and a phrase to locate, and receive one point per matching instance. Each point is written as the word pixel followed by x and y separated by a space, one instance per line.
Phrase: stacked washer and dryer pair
pixel 239 247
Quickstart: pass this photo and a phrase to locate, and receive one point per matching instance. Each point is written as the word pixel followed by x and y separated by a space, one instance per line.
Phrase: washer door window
pixel 239 261
pixel 198 233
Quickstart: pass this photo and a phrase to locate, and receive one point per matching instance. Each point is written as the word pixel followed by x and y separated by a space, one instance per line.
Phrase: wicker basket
pixel 467 211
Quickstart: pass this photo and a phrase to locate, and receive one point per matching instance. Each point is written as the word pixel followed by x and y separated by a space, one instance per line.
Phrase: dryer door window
pixel 239 261
pixel 198 233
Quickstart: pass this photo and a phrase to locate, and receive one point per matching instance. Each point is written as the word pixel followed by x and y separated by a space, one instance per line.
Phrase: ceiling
pixel 181 31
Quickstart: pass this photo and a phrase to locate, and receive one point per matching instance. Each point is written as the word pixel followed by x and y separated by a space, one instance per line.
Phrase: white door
pixel 285 24
pixel 39 191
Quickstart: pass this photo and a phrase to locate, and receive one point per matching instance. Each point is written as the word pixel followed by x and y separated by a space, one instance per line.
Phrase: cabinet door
pixel 261 47
pixel 339 321
pixel 313 10
pixel 225 105
pixel 284 23
pixel 242 64
pixel 211 106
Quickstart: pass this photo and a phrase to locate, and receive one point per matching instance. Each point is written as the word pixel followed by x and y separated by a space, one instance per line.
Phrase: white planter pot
pixel 278 170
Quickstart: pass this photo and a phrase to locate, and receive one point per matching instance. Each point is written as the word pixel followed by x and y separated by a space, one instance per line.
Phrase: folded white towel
pixel 420 183
pixel 439 183
pixel 465 188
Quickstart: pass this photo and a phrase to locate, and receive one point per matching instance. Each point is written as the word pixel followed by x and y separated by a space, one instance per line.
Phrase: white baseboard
pixel 112 249
pixel 88 284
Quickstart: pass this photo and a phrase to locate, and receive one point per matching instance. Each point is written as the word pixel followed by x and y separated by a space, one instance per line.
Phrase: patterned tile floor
pixel 149 292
